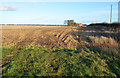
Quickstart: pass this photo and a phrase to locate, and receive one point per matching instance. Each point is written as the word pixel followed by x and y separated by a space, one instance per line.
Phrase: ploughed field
pixel 48 36
pixel 60 50
pixel 58 36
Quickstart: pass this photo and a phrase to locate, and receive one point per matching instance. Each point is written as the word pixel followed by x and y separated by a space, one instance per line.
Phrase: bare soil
pixel 58 36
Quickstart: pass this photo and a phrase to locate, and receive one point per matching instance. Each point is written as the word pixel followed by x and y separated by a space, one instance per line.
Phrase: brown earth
pixel 49 36
pixel 59 36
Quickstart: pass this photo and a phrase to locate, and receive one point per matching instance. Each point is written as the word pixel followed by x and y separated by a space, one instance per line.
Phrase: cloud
pixel 32 2
pixel 8 7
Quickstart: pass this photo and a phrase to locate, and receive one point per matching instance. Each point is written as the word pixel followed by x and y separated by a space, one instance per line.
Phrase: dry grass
pixel 103 40
pixel 107 45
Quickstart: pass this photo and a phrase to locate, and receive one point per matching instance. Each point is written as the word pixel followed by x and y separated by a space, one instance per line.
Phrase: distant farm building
pixel 82 25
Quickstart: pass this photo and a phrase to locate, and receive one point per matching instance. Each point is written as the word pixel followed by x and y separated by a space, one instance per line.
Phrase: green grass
pixel 39 61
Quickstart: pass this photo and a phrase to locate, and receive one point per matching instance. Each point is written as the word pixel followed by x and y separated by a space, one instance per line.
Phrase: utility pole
pixel 118 23
pixel 111 14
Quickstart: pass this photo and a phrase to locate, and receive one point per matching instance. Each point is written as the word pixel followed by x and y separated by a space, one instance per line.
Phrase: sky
pixel 56 12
